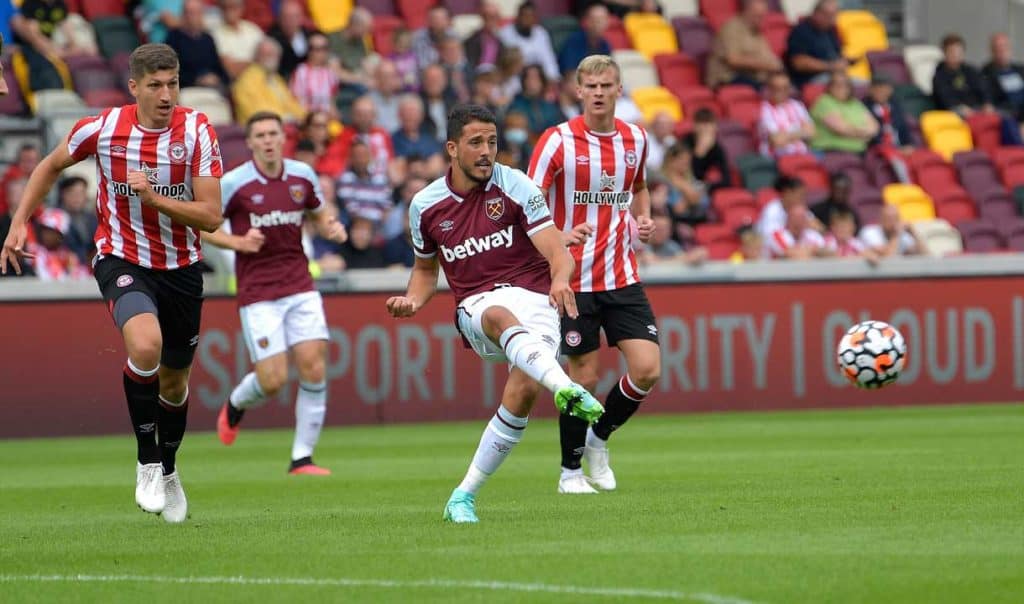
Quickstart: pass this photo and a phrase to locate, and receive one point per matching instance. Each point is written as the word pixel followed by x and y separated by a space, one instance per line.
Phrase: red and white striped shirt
pixel 315 86
pixel 845 249
pixel 783 240
pixel 171 157
pixel 788 117
pixel 591 177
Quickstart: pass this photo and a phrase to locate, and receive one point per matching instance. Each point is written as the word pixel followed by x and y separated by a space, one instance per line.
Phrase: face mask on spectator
pixel 516 136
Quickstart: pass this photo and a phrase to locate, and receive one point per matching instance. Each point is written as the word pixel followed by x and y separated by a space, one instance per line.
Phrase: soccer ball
pixel 871 354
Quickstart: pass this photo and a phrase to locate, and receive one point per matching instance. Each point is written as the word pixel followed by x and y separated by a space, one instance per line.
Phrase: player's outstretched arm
pixel 250 243
pixel 203 213
pixel 550 244
pixel 328 226
pixel 422 287
pixel 39 184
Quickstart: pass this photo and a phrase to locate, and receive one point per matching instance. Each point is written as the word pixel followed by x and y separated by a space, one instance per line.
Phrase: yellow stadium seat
pixel 330 15
pixel 652 100
pixel 946 133
pixel 861 32
pixel 913 202
pixel 650 34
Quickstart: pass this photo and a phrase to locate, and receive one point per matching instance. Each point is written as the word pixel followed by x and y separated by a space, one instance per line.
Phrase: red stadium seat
pixel 735 139
pixel 986 130
pixel 695 38
pixel 936 177
pixel 890 63
pixel 740 103
pixel 1012 231
pixel 775 29
pixel 383 31
pixel 868 204
pixel 810 93
pixel 996 204
pixel 719 239
pixel 95 9
pixel 415 12
pixel 553 8
pixel 677 72
pixel 880 170
pixel 616 35
pixel 727 198
pixel 106 97
pixel 980 236
pixel 717 12
pixel 807 168
pixel 462 7
pixel 1002 156
pixel 697 97
pixel 739 216
pixel 954 206
pixel 765 195
pixel 377 7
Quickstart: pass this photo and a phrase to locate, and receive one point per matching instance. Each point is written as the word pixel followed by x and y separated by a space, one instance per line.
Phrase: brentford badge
pixel 573 338
pixel 495 208
pixel 177 152
pixel 297 192
pixel 631 158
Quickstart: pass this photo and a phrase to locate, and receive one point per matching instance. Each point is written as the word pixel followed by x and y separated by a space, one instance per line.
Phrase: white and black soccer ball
pixel 872 354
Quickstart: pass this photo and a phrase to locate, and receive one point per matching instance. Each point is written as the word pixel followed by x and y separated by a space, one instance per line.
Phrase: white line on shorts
pixel 608 592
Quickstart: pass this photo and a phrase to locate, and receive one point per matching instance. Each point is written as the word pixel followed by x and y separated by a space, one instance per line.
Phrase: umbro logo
pixel 583 159
pixel 447 225
pixel 146 428
pixel 194 341
pixel 533 357
pixel 652 329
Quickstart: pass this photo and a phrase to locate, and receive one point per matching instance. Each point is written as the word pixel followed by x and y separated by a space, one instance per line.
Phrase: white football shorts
pixel 273 326
pixel 532 309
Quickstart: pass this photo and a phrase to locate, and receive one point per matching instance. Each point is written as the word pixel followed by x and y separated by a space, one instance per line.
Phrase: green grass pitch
pixel 878 505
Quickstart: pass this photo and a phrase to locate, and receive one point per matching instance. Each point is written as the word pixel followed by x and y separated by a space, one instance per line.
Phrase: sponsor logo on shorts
pixel 573 338
pixel 263 342
pixel 177 152
pixel 495 208
pixel 125 280
pixel 652 329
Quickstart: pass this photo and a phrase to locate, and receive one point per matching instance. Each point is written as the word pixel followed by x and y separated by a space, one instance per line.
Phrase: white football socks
pixel 247 393
pixel 500 435
pixel 594 441
pixel 534 357
pixel 310 409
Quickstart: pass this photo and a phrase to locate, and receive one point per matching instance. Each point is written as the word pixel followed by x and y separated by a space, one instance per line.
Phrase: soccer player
pixel 489 227
pixel 267 198
pixel 592 169
pixel 159 171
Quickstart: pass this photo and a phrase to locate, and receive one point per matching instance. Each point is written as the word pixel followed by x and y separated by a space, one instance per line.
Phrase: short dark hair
pixel 840 178
pixel 261 116
pixel 305 145
pixel 465 113
pixel 788 183
pixel 69 182
pixel 704 116
pixel 951 39
pixel 151 58
pixel 526 5
pixel 841 213
pixel 540 73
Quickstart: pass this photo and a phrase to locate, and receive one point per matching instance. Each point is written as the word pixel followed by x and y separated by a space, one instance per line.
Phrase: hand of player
pixel 335 231
pixel 563 299
pixel 14 249
pixel 644 228
pixel 402 307
pixel 139 184
pixel 251 242
pixel 578 235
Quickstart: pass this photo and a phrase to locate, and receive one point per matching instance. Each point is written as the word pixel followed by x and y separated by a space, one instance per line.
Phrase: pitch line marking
pixel 609 592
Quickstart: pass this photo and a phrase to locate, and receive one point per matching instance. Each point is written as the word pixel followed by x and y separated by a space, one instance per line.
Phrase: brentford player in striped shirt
pixel 159 168
pixel 592 169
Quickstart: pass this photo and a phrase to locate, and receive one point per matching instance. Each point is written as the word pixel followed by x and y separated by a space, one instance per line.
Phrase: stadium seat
pixel 1012 232
pixel 980 236
pixel 913 202
pixel 87 79
pixel 681 8
pixel 868 204
pixel 890 64
pixel 101 98
pixel 549 8
pixel 650 34
pixel 99 9
pixel 462 7
pixel 977 173
pixel 697 97
pixel 729 197
pixel 946 133
pixel 939 237
pixel 115 35
pixel 695 38
pixel 797 9
pixel 996 204
pixel 850 164
pixel 809 94
pixel 735 139
pixel 718 238
pixel 414 12
pixel 861 32
pixel 880 169
pixel 616 35
pixel 637 70
pixel 14 102
pixel 986 130
pixel 209 101
pixel 935 176
pixel 560 28
pixel 921 60
pixel 954 205
pixel 329 16
pixel 57 102
pixel 765 195
pixel 740 103
pixel 807 168
pixel 717 12
pixel 377 7
pixel 757 171
pixel 466 25
pixel 1009 162
pixel 775 29
pixel 914 101
pixel 382 33
pixel 655 99
pixel 677 71
pixel 739 216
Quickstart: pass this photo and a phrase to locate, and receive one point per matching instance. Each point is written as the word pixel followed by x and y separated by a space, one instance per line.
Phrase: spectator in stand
pixel 510 66
pixel 405 61
pixel 317 147
pixel 305 152
pixel 388 88
pixel 797 239
pixel 74 199
pixel 292 35
pixel 485 90
pixel 398 249
pixel 54 260
pixel 956 85
pixel 894 131
pixel 841 122
pixel 660 136
pixel 425 41
pixel 199 63
pixel 842 240
pixel 588 41
pixel 316 80
pixel 1005 78
pixel 662 249
pixel 26 161
pixel 710 164
pixel 485 45
pixel 237 40
pixel 838 200
pixel 785 125
pixel 260 87
pixel 687 200
pixel 568 96
pixel 752 246
pixel 359 251
pixel 364 194
pixel 740 53
pixel 34 26
pixel 159 17
pixel 792 194
pixel 891 236
pixel 813 49
pixel 349 46
pixel 414 138
pixel 527 34
pixel 364 127
pixel 532 102
pixel 516 147
pixel 453 59
pixel 14 190
pixel 438 99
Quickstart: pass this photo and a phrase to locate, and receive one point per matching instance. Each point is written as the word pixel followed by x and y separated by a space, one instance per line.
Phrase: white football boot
pixel 598 471
pixel 176 508
pixel 575 484
pixel 149 487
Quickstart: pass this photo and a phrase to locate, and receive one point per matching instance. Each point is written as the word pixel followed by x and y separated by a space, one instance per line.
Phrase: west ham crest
pixel 297 192
pixel 495 208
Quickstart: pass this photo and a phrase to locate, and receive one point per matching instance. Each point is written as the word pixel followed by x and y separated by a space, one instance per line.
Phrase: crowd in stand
pixel 366 103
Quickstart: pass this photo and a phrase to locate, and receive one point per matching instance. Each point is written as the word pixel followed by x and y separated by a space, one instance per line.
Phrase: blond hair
pixel 595 64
